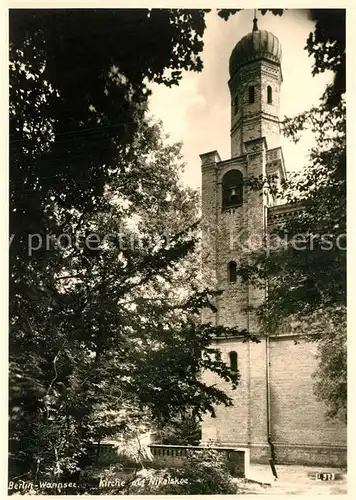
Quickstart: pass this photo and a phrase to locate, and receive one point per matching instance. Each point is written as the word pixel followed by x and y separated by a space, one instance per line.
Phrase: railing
pixel 177 449
pixel 175 455
pixel 283 213
pixel 167 450
pixel 165 456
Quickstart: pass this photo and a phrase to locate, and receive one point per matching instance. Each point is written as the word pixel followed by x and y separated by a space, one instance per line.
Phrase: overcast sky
pixel 197 111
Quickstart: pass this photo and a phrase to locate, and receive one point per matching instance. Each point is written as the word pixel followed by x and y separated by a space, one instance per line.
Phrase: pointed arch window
pixel 269 94
pixel 232 271
pixel 232 189
pixel 233 361
pixel 251 94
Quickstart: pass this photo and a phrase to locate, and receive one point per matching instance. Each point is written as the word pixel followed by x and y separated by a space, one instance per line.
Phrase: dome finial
pixel 255 27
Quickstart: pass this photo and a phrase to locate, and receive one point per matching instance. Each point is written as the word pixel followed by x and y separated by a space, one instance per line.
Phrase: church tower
pixel 255 82
pixel 275 413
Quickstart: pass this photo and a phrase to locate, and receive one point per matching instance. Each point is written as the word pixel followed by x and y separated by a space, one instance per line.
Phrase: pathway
pixel 295 480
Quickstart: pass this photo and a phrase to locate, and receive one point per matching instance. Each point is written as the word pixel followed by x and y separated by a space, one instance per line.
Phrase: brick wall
pixel 300 432
pixel 209 228
pixel 298 426
pixel 298 418
pixel 231 425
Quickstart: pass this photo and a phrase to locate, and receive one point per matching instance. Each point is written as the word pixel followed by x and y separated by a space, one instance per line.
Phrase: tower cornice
pixel 253 118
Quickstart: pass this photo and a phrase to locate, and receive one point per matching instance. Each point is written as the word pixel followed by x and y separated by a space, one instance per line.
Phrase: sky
pixel 197 112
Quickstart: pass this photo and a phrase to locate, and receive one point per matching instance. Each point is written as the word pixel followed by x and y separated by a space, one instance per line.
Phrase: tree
pixel 96 322
pixel 76 101
pixel 92 325
pixel 108 334
pixel 204 472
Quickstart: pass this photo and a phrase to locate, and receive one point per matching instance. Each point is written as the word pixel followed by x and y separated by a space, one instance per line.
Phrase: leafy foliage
pixel 102 335
pixel 182 430
pixel 204 473
pixel 104 332
pixel 331 375
pixel 226 13
pixel 117 337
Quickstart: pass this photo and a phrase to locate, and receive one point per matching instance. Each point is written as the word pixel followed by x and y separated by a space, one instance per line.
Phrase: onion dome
pixel 255 45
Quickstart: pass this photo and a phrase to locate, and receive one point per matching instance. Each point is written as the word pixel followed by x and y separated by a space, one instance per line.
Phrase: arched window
pixel 233 361
pixel 232 271
pixel 232 189
pixel 236 104
pixel 251 94
pixel 269 94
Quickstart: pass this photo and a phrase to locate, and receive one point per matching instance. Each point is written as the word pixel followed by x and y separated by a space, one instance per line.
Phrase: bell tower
pixel 233 215
pixel 275 414
pixel 234 219
pixel 255 81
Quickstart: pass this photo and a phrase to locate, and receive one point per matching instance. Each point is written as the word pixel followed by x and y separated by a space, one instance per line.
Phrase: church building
pixel 275 413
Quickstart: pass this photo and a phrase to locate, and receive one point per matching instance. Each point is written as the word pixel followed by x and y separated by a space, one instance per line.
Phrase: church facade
pixel 275 413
